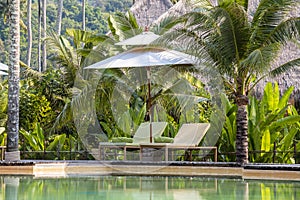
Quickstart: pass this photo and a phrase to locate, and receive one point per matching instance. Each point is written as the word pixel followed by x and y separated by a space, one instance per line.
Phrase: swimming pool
pixel 144 187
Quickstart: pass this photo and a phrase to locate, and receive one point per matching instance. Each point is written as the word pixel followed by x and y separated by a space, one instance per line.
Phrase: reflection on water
pixel 144 188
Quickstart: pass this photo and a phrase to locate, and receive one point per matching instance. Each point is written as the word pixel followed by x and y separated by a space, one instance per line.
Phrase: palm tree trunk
pixel 83 15
pixel 44 53
pixel 242 130
pixel 29 33
pixel 59 16
pixel 39 36
pixel 13 88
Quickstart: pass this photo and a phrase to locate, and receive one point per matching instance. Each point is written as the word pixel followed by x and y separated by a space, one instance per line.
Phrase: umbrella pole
pixel 149 101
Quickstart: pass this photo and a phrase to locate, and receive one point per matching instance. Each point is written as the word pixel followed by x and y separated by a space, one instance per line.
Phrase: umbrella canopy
pixel 144 38
pixel 145 57
pixel 3 67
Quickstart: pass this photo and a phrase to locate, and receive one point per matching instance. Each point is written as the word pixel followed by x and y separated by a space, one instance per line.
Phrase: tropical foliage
pixel 37 142
pixel 96 15
pixel 225 36
pixel 273 121
pixel 273 124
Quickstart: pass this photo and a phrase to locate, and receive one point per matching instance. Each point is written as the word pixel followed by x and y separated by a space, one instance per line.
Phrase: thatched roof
pixel 146 11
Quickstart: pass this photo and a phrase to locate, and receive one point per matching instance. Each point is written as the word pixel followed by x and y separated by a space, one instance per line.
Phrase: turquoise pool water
pixel 144 188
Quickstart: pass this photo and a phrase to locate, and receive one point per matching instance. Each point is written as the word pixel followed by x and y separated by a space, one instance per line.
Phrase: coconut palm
pixel 13 81
pixel 241 45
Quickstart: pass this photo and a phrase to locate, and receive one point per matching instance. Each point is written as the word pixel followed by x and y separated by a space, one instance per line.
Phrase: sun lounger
pixel 191 134
pixel 142 135
pixel 188 138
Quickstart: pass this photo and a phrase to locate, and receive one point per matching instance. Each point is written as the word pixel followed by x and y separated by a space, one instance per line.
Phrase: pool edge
pixel 86 168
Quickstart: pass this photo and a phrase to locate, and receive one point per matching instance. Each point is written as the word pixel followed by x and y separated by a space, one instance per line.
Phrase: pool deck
pixel 39 168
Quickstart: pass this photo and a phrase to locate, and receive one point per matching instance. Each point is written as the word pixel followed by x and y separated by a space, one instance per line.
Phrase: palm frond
pixel 243 3
pixel 285 31
pixel 123 26
pixel 63 51
pixel 228 43
pixel 188 35
pixel 285 67
pixel 103 47
pixel 166 24
pixel 29 72
pixel 259 61
pixel 78 36
pixel 78 105
pixel 200 4
pixel 84 37
pixel 64 55
pixel 63 118
pixel 269 14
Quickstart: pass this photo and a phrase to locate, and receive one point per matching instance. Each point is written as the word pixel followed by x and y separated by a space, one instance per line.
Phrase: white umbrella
pixel 3 67
pixel 145 57
pixel 144 38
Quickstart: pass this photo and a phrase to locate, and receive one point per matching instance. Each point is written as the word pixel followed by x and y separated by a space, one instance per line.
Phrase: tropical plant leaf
pixel 58 142
pixel 285 121
pixel 271 96
pixel 266 141
pixel 39 135
pixel 32 140
pixel 107 129
pixel 285 98
pixel 287 142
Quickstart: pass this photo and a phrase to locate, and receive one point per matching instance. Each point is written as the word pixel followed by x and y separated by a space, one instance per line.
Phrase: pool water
pixel 144 188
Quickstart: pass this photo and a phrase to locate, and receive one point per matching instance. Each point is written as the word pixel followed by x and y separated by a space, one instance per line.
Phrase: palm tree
pixel 240 45
pixel 13 79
